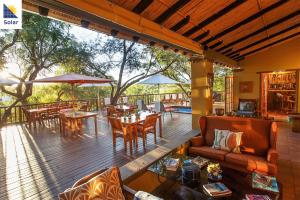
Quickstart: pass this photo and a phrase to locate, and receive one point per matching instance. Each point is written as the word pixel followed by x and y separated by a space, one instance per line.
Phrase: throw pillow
pixel 238 141
pixel 227 140
pixel 105 186
pixel 141 195
pixel 221 140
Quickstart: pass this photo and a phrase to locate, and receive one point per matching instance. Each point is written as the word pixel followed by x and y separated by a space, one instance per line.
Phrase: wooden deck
pixel 40 164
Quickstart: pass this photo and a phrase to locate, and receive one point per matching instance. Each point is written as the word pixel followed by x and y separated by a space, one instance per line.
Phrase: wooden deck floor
pixel 40 164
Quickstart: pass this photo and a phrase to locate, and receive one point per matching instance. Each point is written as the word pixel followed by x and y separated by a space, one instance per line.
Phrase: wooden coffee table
pixel 167 185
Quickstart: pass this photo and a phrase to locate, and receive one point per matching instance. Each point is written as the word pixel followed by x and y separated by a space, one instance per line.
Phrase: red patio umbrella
pixel 72 79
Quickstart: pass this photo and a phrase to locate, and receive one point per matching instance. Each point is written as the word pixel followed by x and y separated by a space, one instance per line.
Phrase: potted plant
pixel 214 172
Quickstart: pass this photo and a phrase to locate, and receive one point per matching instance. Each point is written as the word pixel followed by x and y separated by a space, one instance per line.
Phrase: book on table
pixel 257 197
pixel 172 164
pixel 201 162
pixel 264 182
pixel 217 189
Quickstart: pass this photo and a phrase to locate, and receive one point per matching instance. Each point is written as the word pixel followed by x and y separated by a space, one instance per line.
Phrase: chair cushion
pixel 106 186
pixel 208 152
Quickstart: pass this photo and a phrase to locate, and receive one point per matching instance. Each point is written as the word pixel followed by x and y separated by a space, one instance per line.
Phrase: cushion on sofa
pixel 254 130
pixel 251 162
pixel 208 152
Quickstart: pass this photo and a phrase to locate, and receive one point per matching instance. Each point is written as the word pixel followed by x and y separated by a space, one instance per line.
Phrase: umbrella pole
pixel 158 93
pixel 98 98
pixel 73 96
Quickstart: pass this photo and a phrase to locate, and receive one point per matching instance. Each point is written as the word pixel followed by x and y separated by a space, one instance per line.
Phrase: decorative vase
pixel 214 177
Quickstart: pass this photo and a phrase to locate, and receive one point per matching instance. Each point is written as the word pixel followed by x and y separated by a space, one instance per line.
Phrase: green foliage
pixel 220 72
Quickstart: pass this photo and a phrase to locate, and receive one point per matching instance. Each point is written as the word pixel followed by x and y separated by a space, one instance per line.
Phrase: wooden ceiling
pixel 235 28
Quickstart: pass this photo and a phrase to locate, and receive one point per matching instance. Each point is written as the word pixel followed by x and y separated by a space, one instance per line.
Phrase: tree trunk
pixel 7 112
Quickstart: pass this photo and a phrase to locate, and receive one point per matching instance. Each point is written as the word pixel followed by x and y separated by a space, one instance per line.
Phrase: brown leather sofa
pixel 258 145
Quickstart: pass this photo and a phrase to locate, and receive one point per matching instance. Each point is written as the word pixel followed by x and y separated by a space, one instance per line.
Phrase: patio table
pixel 74 116
pixel 35 113
pixel 125 108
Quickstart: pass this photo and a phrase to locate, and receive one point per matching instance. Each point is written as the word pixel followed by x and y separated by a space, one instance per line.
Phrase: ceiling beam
pixel 143 5
pixel 227 51
pixel 181 23
pixel 170 11
pixel 214 17
pixel 229 54
pixel 239 58
pixel 271 44
pixel 275 23
pixel 246 21
pixel 235 56
pixel 111 16
pixel 268 38
pixel 216 44
pixel 201 36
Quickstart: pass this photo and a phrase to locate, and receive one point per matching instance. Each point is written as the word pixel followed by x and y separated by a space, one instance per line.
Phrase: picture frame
pixel 246 86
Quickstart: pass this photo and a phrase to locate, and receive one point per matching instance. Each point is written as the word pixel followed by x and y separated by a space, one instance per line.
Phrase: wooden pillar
pixel 202 77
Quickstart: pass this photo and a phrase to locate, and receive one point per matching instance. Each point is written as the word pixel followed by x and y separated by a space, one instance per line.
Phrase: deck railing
pixel 94 104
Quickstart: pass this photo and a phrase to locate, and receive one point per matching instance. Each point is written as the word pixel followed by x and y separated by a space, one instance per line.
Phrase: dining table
pixel 74 116
pixel 35 114
pixel 131 122
pixel 125 109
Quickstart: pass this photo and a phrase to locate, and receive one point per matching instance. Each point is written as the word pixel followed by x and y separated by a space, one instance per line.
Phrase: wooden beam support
pixel 85 23
pixel 43 11
pixel 216 44
pixel 181 23
pixel 201 36
pixel 227 51
pixel 170 11
pixel 268 38
pixel 271 44
pixel 235 56
pixel 275 23
pixel 229 54
pixel 246 21
pixel 240 58
pixel 141 6
pixel 108 15
pixel 214 17
pixel 114 32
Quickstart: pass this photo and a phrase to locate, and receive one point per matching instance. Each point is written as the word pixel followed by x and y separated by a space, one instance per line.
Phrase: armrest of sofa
pixel 272 156
pixel 197 141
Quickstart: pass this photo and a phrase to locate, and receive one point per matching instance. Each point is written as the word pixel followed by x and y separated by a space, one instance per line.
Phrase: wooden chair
pixel 89 186
pixel 167 98
pixel 160 108
pixel 112 112
pixel 174 98
pixel 69 126
pixel 64 124
pixel 84 106
pixel 118 130
pixel 149 126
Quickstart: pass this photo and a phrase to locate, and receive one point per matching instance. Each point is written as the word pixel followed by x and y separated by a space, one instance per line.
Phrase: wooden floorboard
pixel 38 164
